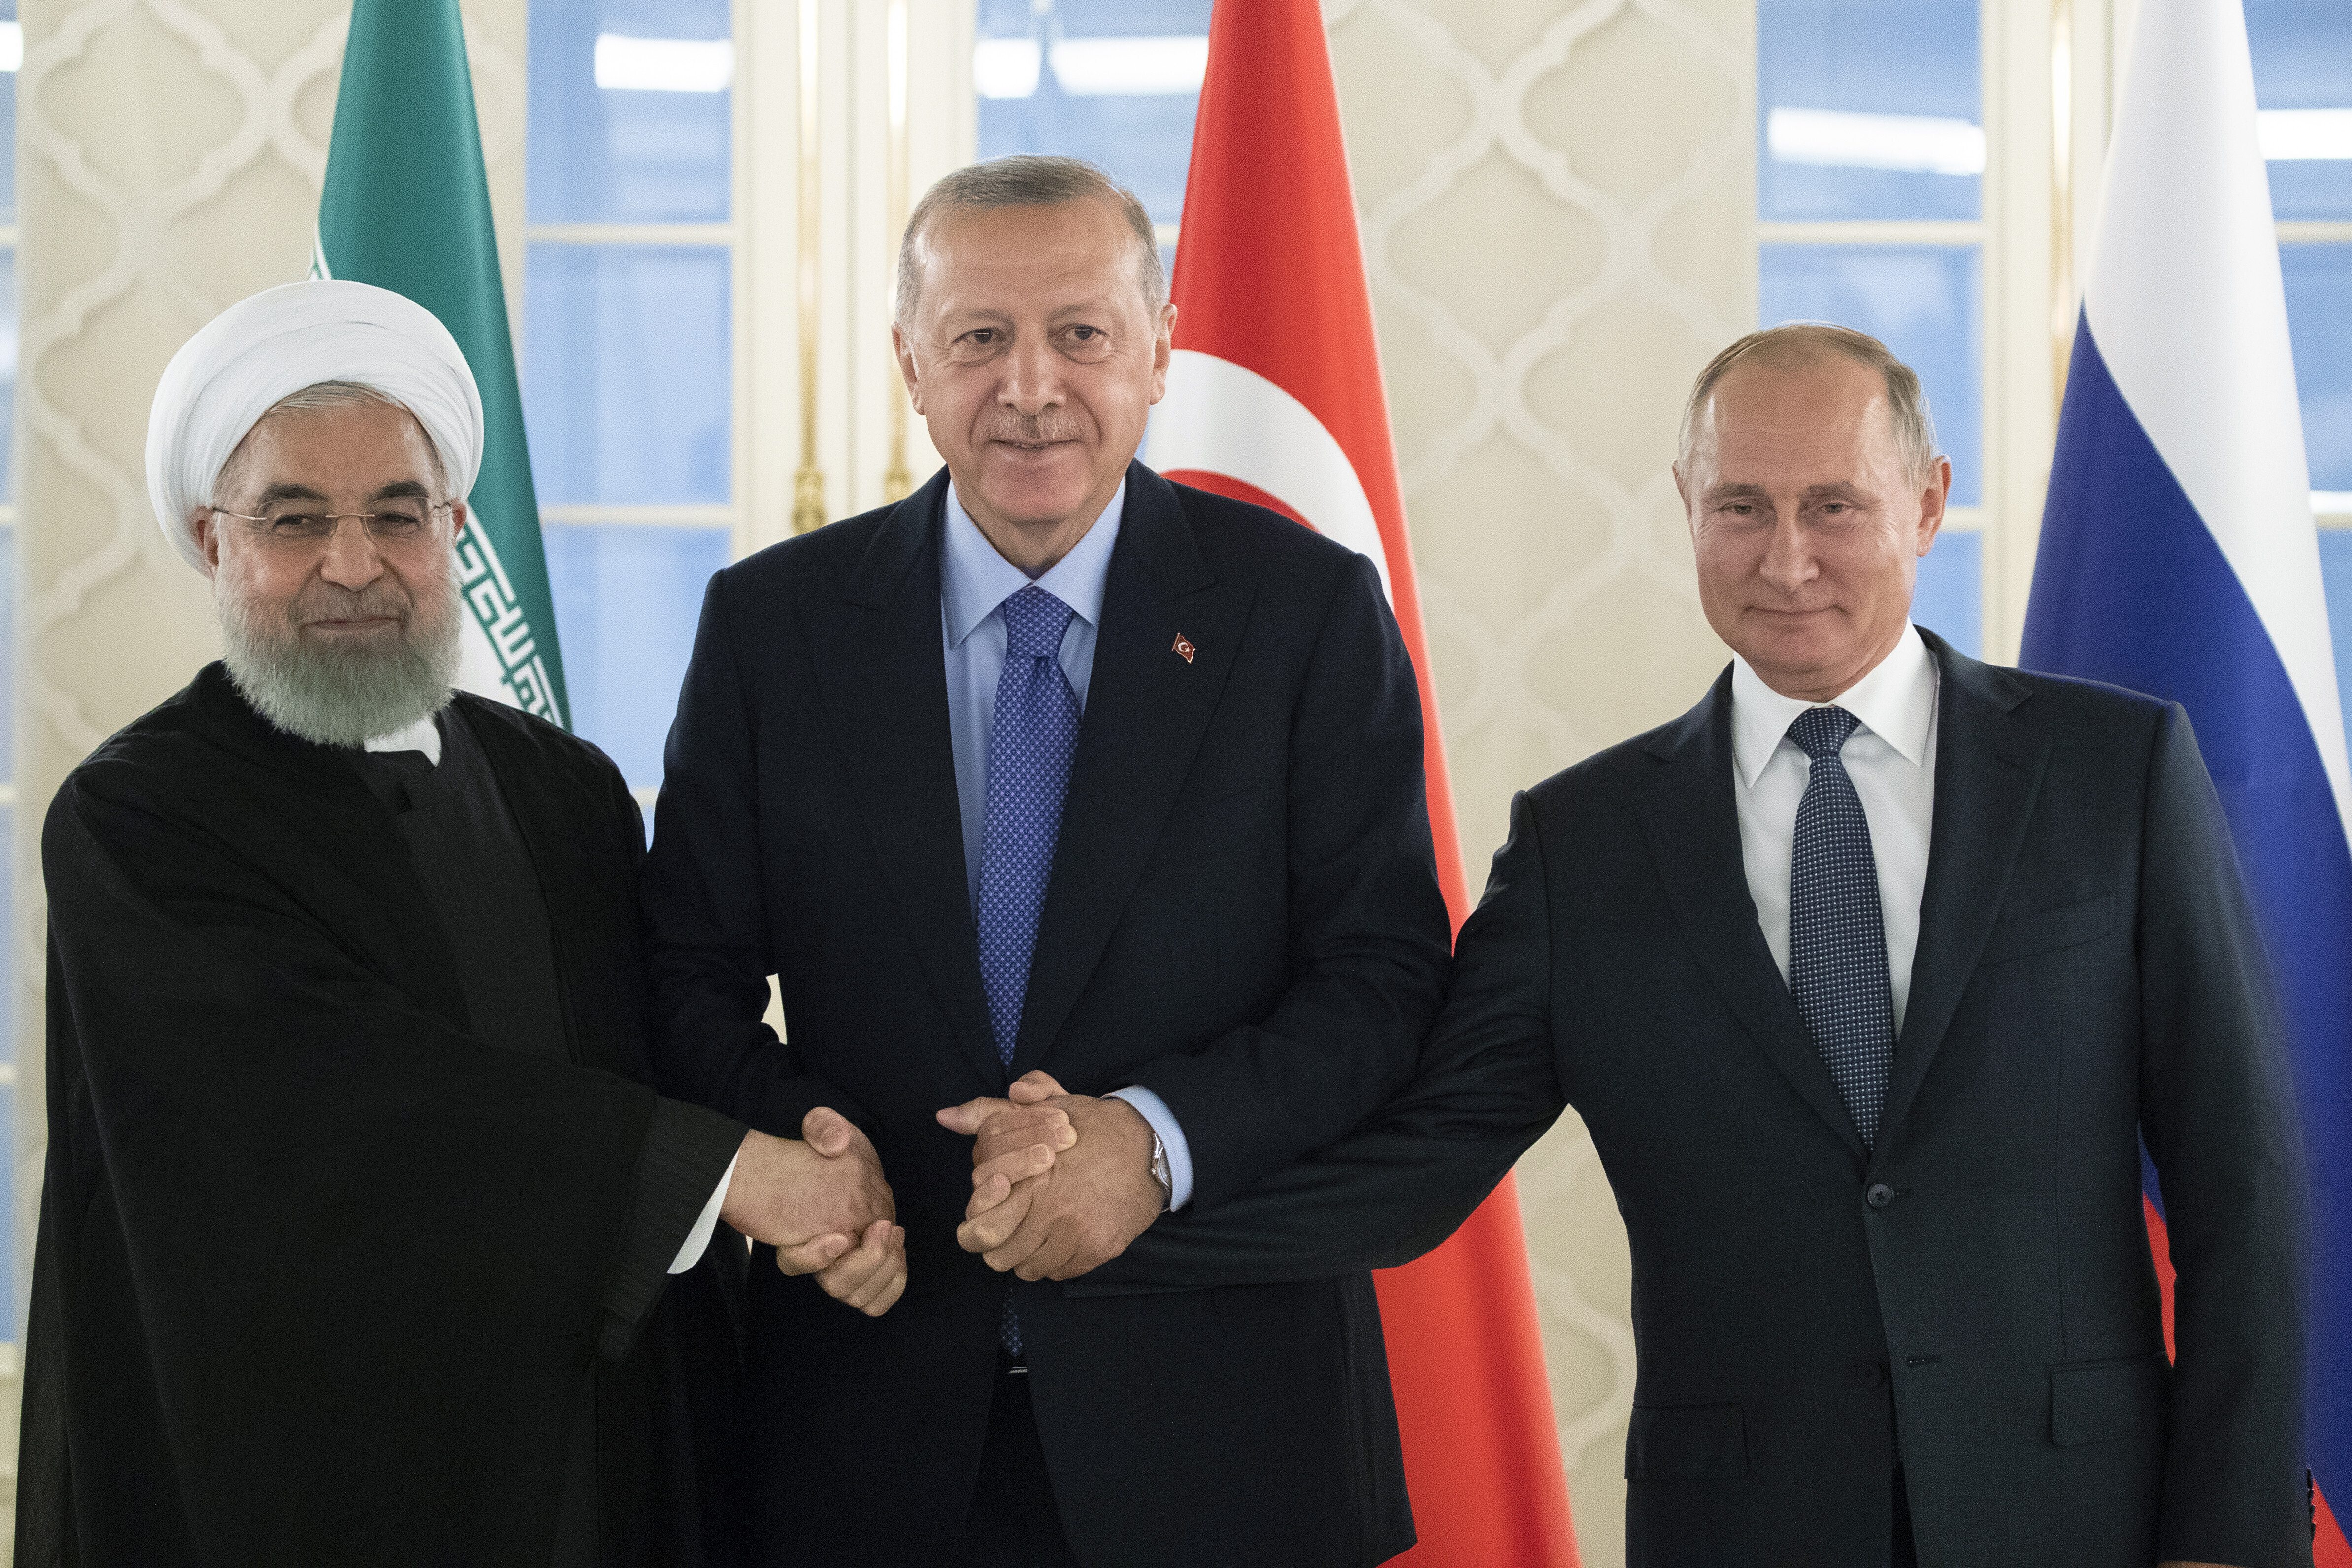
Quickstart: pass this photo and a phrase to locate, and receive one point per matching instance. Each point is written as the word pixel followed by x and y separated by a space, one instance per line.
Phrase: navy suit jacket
pixel 2087 975
pixel 1242 916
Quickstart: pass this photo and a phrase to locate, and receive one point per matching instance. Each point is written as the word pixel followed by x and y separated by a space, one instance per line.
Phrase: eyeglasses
pixel 291 525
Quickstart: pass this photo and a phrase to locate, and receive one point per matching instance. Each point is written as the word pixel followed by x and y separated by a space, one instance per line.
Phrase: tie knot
pixel 1034 623
pixel 1822 731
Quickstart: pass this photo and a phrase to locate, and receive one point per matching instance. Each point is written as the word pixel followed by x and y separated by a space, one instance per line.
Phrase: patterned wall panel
pixel 1558 210
pixel 170 153
pixel 1558 201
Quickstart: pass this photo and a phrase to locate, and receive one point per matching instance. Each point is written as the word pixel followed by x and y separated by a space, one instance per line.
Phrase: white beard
pixel 336 695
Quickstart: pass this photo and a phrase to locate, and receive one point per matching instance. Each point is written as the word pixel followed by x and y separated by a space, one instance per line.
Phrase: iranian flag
pixel 1274 397
pixel 406 209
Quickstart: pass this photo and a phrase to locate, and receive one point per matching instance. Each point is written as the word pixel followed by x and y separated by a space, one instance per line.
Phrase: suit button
pixel 1869 1374
pixel 1879 1195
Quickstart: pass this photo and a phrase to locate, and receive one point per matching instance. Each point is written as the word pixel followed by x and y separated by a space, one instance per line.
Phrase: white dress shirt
pixel 1891 757
pixel 975 582
pixel 425 736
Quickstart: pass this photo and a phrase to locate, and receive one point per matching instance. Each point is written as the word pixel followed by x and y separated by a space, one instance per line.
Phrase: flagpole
pixel 808 484
pixel 896 482
pixel 2062 197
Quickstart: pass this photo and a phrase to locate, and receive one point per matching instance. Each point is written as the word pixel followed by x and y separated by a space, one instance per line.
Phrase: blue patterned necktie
pixel 1837 940
pixel 1030 746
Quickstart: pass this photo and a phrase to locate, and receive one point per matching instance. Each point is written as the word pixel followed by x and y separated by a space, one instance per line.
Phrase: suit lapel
pixel 1692 827
pixel 884 670
pixel 1987 773
pixel 1147 711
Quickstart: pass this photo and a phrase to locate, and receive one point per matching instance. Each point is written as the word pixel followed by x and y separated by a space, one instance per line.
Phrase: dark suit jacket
pixel 1242 916
pixel 2087 974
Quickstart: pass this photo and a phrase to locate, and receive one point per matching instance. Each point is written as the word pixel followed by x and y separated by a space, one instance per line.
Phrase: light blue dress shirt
pixel 974 582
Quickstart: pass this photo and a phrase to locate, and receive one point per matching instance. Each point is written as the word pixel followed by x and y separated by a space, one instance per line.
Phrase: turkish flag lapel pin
pixel 1182 648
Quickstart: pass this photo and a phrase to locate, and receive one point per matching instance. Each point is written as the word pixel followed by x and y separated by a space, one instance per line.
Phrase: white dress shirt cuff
pixel 1154 1109
pixel 698 1238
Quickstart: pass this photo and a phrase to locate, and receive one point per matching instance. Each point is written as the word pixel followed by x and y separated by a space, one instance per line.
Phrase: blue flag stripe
pixel 2130 587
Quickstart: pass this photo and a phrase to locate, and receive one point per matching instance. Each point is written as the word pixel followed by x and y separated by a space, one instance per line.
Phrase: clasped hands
pixel 1061 1184
pixel 821 1201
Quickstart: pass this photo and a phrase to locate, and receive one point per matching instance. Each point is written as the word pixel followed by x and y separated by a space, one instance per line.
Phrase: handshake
pixel 1061 1184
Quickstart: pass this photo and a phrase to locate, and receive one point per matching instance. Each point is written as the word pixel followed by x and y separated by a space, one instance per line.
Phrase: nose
pixel 351 559
pixel 1032 381
pixel 1788 564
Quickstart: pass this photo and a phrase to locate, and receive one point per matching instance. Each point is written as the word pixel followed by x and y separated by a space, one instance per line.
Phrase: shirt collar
pixel 1896 701
pixel 425 736
pixel 974 579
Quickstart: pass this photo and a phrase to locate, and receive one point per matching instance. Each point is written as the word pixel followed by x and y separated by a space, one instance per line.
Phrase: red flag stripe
pixel 1270 275
pixel 1270 281
pixel 2329 1546
pixel 1239 490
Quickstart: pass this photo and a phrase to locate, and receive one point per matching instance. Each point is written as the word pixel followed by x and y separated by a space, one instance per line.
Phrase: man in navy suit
pixel 1054 765
pixel 1869 977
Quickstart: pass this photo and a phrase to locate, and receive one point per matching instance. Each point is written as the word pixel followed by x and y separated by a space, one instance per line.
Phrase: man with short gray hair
pixel 1869 977
pixel 360 1220
pixel 1054 768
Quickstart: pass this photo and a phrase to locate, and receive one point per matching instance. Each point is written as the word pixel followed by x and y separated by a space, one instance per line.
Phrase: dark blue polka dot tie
pixel 1035 735
pixel 1837 940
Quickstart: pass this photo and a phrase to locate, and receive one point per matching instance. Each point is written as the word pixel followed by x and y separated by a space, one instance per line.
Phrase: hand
pixel 1098 1196
pixel 1014 1140
pixel 826 1186
pixel 870 1278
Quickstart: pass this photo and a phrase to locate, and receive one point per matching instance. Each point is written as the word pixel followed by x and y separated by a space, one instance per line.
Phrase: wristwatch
pixel 1159 1174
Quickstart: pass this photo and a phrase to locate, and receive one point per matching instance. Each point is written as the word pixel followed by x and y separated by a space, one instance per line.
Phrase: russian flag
pixel 2179 557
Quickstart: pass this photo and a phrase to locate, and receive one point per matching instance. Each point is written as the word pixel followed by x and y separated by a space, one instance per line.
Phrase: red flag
pixel 1275 397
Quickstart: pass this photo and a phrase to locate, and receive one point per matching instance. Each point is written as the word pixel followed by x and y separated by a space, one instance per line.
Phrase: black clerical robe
pixel 358 1210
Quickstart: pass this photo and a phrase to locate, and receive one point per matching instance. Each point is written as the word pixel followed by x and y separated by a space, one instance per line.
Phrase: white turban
pixel 260 351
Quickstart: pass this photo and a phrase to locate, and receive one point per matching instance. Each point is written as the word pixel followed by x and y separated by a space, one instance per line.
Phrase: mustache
pixel 323 600
pixel 1037 430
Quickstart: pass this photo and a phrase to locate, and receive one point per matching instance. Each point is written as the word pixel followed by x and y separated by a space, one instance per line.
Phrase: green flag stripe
pixel 407 207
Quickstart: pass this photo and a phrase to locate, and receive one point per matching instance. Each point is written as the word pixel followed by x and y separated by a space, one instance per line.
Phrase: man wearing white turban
pixel 360 1204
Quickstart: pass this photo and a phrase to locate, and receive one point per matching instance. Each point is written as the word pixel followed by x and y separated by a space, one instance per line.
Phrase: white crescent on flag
pixel 1219 417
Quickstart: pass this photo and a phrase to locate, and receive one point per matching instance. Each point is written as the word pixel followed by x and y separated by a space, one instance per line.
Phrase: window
pixel 628 346
pixel 2302 84
pixel 1115 81
pixel 1874 211
pixel 1870 181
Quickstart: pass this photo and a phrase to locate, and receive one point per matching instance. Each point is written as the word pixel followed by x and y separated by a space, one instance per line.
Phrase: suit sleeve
pixel 686 1152
pixel 1486 1088
pixel 1368 925
pixel 707 941
pixel 2216 1113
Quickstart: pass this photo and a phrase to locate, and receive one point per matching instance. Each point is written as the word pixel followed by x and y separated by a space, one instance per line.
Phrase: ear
pixel 1932 504
pixel 459 517
pixel 1163 350
pixel 905 353
pixel 207 534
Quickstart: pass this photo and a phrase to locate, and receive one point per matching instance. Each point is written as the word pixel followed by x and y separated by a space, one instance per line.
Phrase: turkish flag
pixel 1274 396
